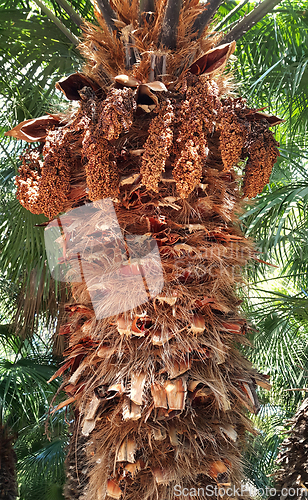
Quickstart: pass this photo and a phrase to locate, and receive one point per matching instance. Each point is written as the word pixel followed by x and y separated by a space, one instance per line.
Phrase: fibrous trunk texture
pixel 150 244
pixel 292 475
pixel 8 483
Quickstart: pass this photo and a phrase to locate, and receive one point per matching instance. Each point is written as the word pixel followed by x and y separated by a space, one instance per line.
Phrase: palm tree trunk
pixel 292 474
pixel 8 483
pixel 153 252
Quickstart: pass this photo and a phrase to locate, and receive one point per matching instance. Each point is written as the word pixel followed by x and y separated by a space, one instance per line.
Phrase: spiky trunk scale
pixel 160 391
pixel 184 345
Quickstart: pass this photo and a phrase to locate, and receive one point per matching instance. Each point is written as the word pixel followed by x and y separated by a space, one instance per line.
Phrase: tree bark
pixel 147 6
pixel 74 16
pixel 108 14
pixel 250 20
pixel 292 475
pixel 159 387
pixel 8 484
pixel 168 34
pixel 203 19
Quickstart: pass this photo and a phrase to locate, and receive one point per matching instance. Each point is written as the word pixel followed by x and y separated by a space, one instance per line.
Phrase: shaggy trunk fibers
pixel 150 244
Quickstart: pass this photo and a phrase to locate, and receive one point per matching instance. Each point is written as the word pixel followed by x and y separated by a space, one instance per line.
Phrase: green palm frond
pixel 41 459
pixel 64 8
pixel 25 396
pixel 24 392
pixel 22 242
pixel 259 460
pixel 48 460
pixel 10 344
pixel 280 341
pixel 42 472
pixel 272 64
pixel 278 222
pixel 35 54
pixel 23 261
pixel 280 350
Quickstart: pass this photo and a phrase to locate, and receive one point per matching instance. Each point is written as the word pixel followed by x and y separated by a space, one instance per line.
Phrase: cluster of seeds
pixel 195 120
pixel 59 160
pixel 233 133
pixel 27 181
pixel 262 150
pixel 117 113
pixel 157 146
pixel 100 168
pixel 192 131
pixel 188 166
pixel 43 185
